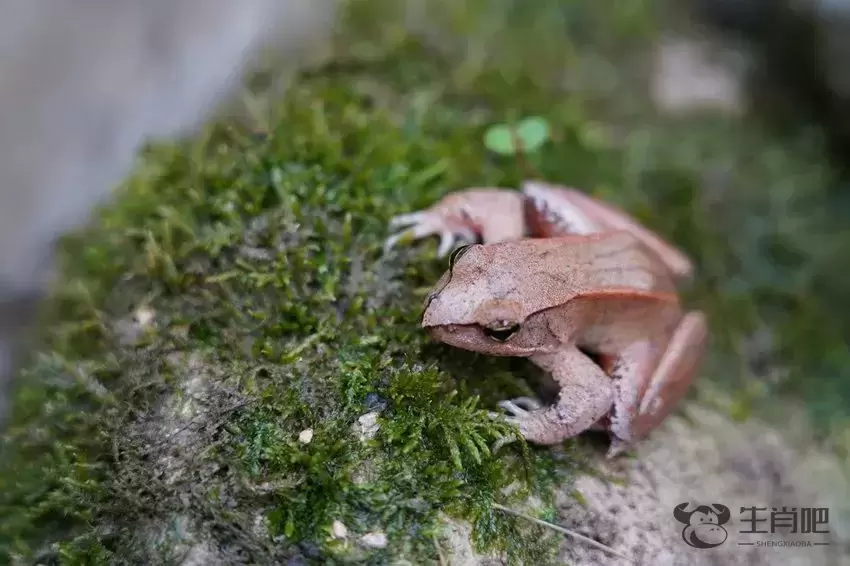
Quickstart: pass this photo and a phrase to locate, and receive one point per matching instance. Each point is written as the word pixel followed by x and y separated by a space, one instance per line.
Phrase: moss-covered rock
pixel 237 295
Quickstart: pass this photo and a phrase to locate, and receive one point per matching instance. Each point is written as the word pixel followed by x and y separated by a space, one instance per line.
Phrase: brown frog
pixel 579 288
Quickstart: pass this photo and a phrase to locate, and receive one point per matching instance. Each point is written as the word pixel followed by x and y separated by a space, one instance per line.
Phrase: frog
pixel 577 286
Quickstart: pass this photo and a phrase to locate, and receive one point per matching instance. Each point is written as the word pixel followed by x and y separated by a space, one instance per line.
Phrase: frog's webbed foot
pixel 489 215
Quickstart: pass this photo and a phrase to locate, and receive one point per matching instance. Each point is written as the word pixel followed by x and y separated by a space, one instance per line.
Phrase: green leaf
pixel 533 133
pixel 498 139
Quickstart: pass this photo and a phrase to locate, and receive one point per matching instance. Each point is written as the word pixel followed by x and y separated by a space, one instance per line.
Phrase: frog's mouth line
pixel 445 333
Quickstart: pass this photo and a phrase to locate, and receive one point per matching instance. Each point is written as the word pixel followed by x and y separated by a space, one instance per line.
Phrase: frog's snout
pixel 434 313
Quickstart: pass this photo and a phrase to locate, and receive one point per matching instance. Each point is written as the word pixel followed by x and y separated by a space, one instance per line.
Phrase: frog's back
pixel 544 273
pixel 618 260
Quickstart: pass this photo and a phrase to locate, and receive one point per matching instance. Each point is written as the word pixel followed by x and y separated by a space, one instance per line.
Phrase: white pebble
pixel 144 316
pixel 338 529
pixel 306 436
pixel 374 540
pixel 368 426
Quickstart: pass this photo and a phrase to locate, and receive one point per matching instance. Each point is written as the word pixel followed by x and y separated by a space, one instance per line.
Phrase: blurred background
pixel 235 294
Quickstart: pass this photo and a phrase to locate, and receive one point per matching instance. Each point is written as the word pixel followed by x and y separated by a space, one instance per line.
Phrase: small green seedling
pixel 519 140
pixel 525 137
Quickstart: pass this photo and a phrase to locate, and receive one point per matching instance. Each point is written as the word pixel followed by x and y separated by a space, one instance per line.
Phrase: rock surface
pixel 705 458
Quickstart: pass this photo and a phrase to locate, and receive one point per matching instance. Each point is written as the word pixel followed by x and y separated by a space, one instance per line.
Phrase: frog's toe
pixel 513 409
pixel 407 219
pixel 514 421
pixel 527 403
pixel 418 225
pixel 420 229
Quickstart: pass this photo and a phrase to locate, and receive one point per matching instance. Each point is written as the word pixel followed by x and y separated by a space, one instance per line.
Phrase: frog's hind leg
pixel 557 211
pixel 646 398
pixel 607 363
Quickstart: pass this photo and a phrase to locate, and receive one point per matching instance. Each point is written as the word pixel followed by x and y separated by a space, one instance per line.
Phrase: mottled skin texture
pixel 590 280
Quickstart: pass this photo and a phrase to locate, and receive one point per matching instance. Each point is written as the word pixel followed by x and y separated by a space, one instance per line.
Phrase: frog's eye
pixel 457 254
pixel 501 332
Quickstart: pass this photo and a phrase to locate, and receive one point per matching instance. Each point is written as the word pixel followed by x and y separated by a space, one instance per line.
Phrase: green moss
pixel 277 311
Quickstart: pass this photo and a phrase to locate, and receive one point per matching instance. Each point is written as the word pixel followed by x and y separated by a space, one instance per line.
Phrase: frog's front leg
pixel 586 395
pixel 487 215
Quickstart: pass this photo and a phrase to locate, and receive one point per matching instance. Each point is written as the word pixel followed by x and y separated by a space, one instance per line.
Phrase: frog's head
pixel 484 304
